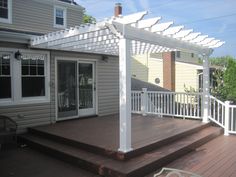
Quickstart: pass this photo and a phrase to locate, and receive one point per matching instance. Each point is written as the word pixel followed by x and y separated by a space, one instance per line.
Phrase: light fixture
pixel 18 55
pixel 105 58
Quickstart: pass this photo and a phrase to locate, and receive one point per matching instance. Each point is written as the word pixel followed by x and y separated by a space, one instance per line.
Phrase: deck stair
pixel 137 163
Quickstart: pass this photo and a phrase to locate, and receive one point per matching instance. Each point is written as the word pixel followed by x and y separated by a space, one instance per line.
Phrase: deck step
pixel 116 154
pixel 137 166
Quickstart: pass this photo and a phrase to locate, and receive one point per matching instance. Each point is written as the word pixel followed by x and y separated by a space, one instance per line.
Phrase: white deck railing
pixel 186 105
pixel 223 114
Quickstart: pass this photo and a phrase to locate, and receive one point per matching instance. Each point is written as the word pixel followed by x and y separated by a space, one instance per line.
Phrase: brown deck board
pixel 216 158
pixel 104 131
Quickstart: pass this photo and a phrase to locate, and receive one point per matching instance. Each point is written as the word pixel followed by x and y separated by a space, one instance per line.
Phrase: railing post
pixel 206 89
pixel 144 101
pixel 226 133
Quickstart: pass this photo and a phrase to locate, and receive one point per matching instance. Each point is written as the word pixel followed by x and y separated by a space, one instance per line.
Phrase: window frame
pixel 16 79
pixel 9 19
pixel 64 17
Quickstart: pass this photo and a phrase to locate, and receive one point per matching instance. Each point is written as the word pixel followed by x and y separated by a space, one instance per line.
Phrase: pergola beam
pixel 158 39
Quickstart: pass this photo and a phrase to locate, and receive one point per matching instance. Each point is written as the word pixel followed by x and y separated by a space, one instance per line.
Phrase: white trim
pixel 64 17
pixel 78 60
pixel 16 86
pixel 9 19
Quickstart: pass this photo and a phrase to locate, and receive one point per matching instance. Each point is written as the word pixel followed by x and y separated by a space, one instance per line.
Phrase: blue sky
pixel 216 18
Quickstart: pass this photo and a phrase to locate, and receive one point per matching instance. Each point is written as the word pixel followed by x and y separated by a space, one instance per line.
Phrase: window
pixel 24 81
pixel 33 78
pixel 5 76
pixel 192 55
pixel 5 11
pixel 178 54
pixel 59 17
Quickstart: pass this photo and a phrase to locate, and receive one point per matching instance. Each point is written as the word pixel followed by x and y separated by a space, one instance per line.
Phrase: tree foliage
pixel 88 19
pixel 225 88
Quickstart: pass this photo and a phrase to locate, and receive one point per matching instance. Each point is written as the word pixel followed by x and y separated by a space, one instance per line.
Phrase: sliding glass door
pixel 67 89
pixel 86 89
pixel 75 89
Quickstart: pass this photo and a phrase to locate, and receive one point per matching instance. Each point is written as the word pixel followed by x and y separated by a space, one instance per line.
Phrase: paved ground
pixel 24 162
pixel 217 158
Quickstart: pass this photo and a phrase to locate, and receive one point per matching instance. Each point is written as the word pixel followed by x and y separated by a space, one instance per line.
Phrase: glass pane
pixel 33 86
pixel 33 70
pixel 25 62
pixel 4 13
pixel 67 89
pixel 25 70
pixel 6 70
pixel 85 85
pixel 59 21
pixel 5 89
pixel 40 70
pixel 59 13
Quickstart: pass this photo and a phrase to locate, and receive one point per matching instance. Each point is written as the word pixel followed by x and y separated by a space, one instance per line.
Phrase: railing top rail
pixel 214 98
pixel 165 92
pixel 232 106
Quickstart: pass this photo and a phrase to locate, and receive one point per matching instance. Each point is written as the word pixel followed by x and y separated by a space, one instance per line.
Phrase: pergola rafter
pixel 126 36
pixel 136 28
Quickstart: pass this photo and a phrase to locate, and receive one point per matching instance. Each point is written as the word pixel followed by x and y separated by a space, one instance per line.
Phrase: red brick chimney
pixel 169 70
pixel 118 9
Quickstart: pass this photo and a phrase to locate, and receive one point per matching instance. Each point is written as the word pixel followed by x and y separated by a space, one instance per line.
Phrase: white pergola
pixel 126 36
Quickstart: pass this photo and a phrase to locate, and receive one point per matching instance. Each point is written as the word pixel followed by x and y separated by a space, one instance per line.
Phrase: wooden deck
pixel 216 158
pixel 93 143
pixel 103 132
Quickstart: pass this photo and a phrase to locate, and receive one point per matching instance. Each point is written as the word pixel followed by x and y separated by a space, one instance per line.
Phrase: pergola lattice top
pixel 146 36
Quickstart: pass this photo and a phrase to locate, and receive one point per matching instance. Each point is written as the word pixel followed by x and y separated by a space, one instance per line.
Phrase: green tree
pixel 88 19
pixel 224 77
pixel 229 80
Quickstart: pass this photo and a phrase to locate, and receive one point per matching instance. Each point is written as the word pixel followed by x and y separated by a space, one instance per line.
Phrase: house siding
pixel 186 75
pixel 34 16
pixel 107 73
pixel 139 67
pixel 108 86
pixel 149 68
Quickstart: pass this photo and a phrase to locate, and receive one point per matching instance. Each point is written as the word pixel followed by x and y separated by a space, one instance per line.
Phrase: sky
pixel 215 18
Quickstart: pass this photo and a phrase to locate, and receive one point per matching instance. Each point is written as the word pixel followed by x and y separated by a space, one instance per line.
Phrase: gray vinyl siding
pixel 28 115
pixel 108 86
pixel 107 73
pixel 33 16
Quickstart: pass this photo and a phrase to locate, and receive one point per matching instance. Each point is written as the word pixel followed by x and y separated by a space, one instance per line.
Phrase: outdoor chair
pixel 172 172
pixel 8 129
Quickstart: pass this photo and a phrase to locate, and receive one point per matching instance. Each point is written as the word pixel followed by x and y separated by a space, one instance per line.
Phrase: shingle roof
pixel 69 1
pixel 137 85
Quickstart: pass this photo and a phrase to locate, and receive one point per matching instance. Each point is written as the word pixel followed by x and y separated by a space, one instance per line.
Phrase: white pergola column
pixel 125 94
pixel 206 88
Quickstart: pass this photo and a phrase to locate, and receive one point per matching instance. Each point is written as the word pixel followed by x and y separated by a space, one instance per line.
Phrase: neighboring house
pixel 43 86
pixel 188 73
pixel 138 85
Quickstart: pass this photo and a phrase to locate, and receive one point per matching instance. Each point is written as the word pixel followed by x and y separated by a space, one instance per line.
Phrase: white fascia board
pixel 133 33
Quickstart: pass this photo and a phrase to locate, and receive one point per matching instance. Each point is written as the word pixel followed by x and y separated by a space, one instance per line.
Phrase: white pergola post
pixel 206 88
pixel 125 94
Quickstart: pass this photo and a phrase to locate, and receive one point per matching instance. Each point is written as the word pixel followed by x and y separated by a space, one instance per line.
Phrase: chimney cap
pixel 118 4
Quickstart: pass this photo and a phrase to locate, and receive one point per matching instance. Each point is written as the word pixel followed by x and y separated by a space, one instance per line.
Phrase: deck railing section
pixel 136 101
pixel 223 114
pixel 216 111
pixel 186 105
